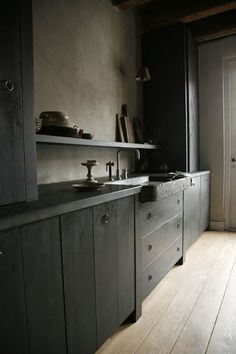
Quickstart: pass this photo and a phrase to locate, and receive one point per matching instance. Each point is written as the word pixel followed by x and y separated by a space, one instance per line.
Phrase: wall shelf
pixel 61 140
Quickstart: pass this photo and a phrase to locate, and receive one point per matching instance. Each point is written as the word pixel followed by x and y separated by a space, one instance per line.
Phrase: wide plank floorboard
pixel 188 306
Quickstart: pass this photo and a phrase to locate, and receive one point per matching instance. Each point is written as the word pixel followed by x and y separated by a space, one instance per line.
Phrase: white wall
pixel 86 56
pixel 211 56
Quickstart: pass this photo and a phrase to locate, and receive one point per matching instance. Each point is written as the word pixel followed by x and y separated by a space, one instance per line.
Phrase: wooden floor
pixel 192 310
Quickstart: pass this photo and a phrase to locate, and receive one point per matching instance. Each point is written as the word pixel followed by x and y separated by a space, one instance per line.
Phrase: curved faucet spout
pixel 137 155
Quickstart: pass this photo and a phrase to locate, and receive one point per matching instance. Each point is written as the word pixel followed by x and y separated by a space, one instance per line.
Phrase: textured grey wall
pixel 86 55
pixel 212 118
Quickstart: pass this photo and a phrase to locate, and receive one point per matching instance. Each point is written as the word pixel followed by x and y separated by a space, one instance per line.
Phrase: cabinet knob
pixel 149 216
pixel 7 85
pixel 178 249
pixel 105 219
pixel 149 277
pixel 178 201
pixel 178 226
pixel 149 247
pixel 1 257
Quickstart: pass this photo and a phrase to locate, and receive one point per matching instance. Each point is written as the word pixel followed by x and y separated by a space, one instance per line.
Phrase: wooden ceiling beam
pixel 214 27
pixel 167 12
pixel 126 4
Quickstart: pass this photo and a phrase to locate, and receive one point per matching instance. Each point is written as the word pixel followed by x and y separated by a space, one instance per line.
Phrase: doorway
pixel 230 141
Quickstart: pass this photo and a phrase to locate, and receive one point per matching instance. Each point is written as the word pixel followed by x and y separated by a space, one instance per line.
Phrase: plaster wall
pixel 86 56
pixel 211 78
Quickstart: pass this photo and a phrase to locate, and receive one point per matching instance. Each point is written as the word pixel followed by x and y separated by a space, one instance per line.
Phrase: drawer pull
pixel 178 226
pixel 178 201
pixel 1 257
pixel 105 219
pixel 178 249
pixel 149 216
pixel 149 247
pixel 149 277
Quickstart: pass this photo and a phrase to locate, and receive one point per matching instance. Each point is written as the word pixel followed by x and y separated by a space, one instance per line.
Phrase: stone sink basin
pixel 156 186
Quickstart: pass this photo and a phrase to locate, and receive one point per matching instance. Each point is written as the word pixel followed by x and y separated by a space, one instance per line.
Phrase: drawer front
pixel 160 239
pixel 153 214
pixel 156 271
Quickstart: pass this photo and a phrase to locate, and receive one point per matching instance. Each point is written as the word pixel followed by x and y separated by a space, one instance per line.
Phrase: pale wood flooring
pixel 192 310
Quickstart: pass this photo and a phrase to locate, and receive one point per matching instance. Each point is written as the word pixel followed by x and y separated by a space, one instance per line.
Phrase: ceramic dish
pixel 84 187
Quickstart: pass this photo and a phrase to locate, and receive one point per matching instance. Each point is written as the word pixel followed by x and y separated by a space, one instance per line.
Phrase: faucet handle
pixel 109 164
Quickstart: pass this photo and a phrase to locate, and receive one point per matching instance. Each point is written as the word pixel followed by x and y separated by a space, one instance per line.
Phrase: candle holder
pixel 89 164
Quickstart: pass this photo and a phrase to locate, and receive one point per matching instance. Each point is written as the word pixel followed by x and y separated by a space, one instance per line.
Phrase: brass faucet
pixel 137 154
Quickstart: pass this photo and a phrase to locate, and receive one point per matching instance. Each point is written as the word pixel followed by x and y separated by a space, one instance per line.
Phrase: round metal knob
pixel 149 216
pixel 150 277
pixel 178 201
pixel 233 159
pixel 178 249
pixel 1 257
pixel 7 85
pixel 105 219
pixel 149 247
pixel 178 226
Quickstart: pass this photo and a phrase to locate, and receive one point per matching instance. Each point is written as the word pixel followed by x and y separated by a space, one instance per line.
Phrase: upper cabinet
pixel 171 96
pixel 17 145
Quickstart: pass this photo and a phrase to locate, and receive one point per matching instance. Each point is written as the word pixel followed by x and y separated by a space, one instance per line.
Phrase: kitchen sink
pixel 148 179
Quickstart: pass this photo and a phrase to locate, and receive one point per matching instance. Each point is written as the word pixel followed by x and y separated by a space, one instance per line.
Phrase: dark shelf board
pixel 61 140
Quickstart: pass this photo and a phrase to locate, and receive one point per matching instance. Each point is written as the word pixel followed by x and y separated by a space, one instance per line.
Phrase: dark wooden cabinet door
pixel 11 123
pixel 105 246
pixel 205 201
pixel 192 213
pixel 125 251
pixel 79 286
pixel 13 333
pixel 44 287
pixel 17 146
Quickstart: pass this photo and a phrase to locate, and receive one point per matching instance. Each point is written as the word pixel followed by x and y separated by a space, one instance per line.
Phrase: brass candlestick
pixel 89 164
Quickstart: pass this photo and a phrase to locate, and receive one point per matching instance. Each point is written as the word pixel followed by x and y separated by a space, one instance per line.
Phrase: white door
pixel 231 151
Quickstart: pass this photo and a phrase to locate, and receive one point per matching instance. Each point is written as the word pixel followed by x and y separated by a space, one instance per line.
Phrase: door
pixel 105 251
pixel 230 139
pixel 44 287
pixel 13 333
pixel 79 287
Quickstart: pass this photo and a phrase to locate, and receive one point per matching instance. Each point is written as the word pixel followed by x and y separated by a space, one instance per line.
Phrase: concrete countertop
pixel 60 198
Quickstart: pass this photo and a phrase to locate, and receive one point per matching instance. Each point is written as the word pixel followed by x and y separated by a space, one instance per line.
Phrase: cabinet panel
pixel 153 214
pixel 11 122
pixel 156 242
pixel 105 245
pixel 78 268
pixel 43 287
pixel 154 272
pixel 205 201
pixel 125 251
pixel 13 333
pixel 192 213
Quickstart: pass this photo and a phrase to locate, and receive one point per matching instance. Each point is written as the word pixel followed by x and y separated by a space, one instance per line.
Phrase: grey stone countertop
pixel 57 199
pixel 60 198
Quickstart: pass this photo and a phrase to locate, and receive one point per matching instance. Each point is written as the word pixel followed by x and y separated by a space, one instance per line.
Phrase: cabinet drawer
pixel 153 214
pixel 153 274
pixel 160 239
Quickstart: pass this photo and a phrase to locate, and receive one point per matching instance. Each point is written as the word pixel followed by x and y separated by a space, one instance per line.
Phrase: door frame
pixel 227 137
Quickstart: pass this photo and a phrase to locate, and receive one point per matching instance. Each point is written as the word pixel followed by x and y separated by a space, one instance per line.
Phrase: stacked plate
pixel 57 123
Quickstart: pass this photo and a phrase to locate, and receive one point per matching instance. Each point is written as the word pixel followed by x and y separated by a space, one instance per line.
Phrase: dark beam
pixel 126 4
pixel 167 12
pixel 214 27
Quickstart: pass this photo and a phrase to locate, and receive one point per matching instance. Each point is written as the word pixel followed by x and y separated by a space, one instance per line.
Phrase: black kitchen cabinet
pixel 196 208
pixel 205 201
pixel 13 328
pixel 114 264
pixel 44 287
pixel 171 97
pixel 192 212
pixel 79 284
pixel 17 145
